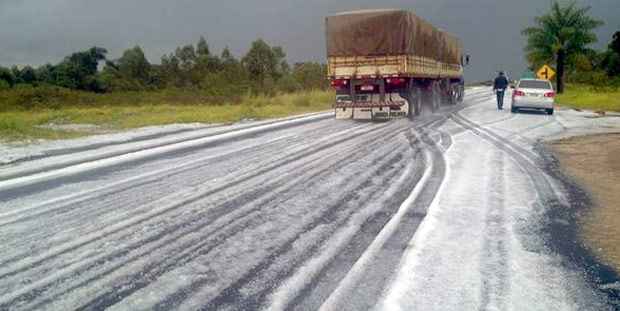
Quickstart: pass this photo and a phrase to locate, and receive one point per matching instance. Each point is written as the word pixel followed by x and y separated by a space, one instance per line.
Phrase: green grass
pixel 590 98
pixel 133 110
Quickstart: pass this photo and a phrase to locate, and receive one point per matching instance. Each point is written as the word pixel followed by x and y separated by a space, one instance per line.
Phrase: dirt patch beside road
pixel 594 161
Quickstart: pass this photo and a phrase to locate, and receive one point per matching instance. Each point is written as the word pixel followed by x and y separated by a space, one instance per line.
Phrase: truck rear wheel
pixel 455 94
pixel 446 94
pixel 415 101
pixel 438 97
pixel 431 97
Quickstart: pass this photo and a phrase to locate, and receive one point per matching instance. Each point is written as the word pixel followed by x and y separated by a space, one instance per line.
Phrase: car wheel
pixel 549 111
pixel 514 109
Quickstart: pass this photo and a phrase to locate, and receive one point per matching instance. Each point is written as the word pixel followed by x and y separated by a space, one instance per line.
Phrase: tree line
pixel 263 69
pixel 562 37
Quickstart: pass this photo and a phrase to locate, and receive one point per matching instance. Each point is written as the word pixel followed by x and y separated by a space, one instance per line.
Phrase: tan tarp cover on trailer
pixel 389 32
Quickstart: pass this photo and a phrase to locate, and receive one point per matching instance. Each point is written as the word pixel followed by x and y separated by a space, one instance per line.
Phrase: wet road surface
pixel 443 213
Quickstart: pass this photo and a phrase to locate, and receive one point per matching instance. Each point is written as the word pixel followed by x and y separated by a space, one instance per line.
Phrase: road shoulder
pixel 592 161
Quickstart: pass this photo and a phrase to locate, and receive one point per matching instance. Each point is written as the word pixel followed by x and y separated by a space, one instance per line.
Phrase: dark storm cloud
pixel 36 32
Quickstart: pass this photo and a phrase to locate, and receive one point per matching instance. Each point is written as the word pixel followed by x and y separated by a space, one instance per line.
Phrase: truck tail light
pixel 550 94
pixel 395 81
pixel 339 83
pixel 518 93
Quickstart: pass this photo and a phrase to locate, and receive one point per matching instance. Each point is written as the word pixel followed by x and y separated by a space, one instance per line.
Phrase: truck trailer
pixel 387 64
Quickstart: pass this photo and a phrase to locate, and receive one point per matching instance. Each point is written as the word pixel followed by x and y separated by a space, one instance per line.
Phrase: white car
pixel 533 94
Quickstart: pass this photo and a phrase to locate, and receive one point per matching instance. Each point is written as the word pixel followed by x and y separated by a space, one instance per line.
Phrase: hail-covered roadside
pixel 484 242
pixel 443 213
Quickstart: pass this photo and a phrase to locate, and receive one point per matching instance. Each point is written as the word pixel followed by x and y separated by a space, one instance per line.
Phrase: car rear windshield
pixel 533 84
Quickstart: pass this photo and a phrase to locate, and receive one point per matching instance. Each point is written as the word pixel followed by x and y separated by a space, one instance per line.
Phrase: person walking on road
pixel 499 86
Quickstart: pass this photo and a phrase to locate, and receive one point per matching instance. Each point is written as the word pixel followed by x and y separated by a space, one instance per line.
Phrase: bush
pixel 11 125
pixel 288 84
pixel 27 97
pixel 595 78
pixel 302 101
pixel 4 85
pixel 268 87
pixel 220 85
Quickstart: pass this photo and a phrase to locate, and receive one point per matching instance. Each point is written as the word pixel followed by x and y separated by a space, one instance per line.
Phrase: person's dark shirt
pixel 501 83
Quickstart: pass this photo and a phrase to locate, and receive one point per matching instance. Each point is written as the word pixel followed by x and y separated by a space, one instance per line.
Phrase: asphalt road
pixel 449 212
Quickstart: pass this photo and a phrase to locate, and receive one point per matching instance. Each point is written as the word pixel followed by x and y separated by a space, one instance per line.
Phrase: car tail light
pixel 339 83
pixel 550 94
pixel 518 93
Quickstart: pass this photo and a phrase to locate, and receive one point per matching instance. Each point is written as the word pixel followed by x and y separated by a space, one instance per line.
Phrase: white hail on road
pixel 438 214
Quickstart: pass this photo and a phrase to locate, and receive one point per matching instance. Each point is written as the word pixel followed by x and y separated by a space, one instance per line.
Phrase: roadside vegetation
pixel 563 38
pixel 125 110
pixel 564 32
pixel 588 97
pixel 192 84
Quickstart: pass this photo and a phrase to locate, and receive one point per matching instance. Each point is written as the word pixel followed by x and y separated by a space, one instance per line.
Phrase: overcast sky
pixel 42 31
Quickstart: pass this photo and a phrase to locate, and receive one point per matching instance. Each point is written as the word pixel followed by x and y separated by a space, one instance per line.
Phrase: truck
pixel 386 64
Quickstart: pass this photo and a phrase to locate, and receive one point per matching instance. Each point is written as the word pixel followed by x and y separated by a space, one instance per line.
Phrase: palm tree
pixel 563 32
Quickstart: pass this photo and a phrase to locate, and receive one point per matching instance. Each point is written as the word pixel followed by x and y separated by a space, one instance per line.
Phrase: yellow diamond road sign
pixel 545 73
